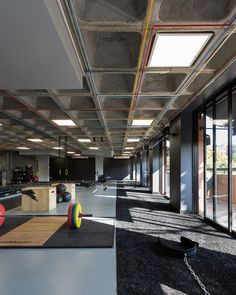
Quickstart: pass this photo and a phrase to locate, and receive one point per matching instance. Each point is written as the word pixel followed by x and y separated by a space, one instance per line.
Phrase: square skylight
pixel 133 139
pixel 35 139
pixel 142 122
pixel 177 50
pixel 84 140
pixel 64 122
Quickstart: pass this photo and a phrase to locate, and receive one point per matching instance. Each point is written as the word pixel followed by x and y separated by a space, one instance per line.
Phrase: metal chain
pixel 195 276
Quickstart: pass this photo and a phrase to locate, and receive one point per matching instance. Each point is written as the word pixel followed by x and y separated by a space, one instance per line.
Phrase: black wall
pixel 117 168
pixel 78 169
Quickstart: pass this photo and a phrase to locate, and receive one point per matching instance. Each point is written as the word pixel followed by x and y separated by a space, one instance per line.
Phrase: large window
pixel 219 160
pixel 234 160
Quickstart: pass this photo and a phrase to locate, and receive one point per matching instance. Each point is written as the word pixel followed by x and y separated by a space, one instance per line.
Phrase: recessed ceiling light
pixel 177 50
pixel 57 148
pixel 77 155
pixel 121 157
pixel 70 152
pixel 64 122
pixel 22 148
pixel 84 140
pixel 0 124
pixel 129 148
pixel 35 139
pixel 133 139
pixel 141 122
pixel 93 148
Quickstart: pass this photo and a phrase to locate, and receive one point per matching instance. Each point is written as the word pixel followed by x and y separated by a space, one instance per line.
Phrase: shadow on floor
pixel 141 271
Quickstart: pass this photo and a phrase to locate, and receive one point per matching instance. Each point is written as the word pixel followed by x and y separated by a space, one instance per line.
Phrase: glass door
pixel 221 195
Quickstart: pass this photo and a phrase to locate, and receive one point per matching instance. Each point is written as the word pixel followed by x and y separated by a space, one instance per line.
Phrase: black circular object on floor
pixel 66 197
pixel 59 199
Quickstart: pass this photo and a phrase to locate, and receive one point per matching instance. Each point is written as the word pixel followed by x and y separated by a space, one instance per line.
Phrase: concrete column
pixel 138 169
pixel 131 168
pixel 43 168
pixel 156 169
pixel 99 165
pixel 181 195
pixel 144 169
pixel 150 166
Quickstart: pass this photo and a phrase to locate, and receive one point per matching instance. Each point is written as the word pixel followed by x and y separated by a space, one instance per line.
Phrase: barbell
pixel 74 215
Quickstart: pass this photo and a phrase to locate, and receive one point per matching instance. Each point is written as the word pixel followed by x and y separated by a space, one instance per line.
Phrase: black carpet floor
pixel 141 217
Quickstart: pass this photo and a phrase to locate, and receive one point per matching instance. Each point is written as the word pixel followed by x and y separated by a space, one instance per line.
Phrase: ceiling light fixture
pixel 84 140
pixel 22 148
pixel 129 148
pixel 140 122
pixel 35 139
pixel 57 148
pixel 133 139
pixel 93 148
pixel 64 122
pixel 177 49
pixel 121 157
pixel 79 157
pixel 70 153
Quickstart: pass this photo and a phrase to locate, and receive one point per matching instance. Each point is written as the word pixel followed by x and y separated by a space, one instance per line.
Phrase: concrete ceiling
pixel 112 39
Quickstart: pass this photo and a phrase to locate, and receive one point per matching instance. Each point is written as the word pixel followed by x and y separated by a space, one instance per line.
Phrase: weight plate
pixel 78 215
pixel 2 214
pixel 73 216
pixel 69 214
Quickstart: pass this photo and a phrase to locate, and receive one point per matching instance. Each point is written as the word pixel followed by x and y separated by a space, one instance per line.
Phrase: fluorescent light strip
pixel 64 122
pixel 177 49
pixel 22 148
pixel 133 139
pixel 57 148
pixel 121 157
pixel 70 153
pixel 80 157
pixel 93 148
pixel 84 140
pixel 142 122
pixel 129 148
pixel 35 139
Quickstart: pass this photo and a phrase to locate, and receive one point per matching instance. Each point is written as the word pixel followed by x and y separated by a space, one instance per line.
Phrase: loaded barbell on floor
pixel 74 215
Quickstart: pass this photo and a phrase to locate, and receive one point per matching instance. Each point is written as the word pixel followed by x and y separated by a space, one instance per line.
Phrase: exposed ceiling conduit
pixel 71 11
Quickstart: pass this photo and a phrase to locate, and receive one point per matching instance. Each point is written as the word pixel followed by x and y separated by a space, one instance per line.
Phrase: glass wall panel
pixel 209 163
pixel 167 170
pixel 234 161
pixel 220 198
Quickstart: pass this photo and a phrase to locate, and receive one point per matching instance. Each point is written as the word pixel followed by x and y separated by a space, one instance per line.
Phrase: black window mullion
pixel 214 161
pixel 230 128
pixel 204 159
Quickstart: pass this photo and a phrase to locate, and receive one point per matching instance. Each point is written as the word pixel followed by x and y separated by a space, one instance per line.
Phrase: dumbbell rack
pixel 10 196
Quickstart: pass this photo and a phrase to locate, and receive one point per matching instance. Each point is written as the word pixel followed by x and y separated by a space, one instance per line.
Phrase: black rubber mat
pixel 91 234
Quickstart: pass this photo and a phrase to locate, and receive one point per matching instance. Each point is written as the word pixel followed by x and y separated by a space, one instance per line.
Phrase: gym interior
pixel 117 147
